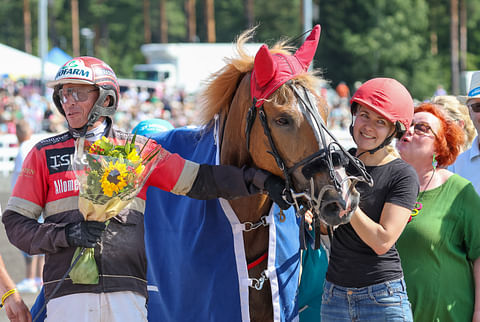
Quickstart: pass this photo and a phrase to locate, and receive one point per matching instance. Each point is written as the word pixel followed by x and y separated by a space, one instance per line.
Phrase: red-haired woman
pixel 440 247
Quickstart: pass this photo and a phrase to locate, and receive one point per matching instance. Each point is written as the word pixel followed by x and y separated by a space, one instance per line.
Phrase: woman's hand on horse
pixel 275 186
pixel 309 219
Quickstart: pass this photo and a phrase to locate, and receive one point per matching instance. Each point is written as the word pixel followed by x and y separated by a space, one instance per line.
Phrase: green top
pixel 437 249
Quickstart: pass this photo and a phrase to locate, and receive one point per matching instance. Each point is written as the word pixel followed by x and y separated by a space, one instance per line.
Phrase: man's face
pixel 475 116
pixel 77 101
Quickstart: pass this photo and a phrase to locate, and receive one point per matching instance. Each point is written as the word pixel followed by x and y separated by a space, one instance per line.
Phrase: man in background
pixel 34 264
pixel 467 164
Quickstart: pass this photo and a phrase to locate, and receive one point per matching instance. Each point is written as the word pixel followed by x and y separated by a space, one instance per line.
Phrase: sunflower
pixel 113 179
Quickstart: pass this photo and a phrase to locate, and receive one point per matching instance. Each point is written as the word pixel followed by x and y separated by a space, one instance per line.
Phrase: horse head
pixel 292 118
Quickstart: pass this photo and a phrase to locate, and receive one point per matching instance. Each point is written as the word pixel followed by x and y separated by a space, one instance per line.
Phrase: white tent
pixel 18 64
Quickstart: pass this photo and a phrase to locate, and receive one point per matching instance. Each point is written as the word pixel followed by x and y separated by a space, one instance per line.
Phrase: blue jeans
pixel 386 301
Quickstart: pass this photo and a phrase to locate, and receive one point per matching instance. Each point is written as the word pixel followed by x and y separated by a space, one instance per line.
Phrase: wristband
pixel 7 294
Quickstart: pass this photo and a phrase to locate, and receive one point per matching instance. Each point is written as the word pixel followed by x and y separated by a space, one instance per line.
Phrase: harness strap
pixel 251 115
pixel 274 152
pixel 303 228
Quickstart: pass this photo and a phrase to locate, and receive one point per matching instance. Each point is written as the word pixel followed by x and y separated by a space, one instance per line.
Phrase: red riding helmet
pixel 389 98
pixel 93 71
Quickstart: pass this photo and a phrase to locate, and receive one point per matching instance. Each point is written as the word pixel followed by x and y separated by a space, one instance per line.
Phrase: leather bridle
pixel 329 155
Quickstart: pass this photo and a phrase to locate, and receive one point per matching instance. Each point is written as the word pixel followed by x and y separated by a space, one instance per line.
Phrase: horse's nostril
pixel 331 207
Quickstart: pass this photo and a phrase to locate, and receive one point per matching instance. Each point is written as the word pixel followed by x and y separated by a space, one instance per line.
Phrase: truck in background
pixel 186 66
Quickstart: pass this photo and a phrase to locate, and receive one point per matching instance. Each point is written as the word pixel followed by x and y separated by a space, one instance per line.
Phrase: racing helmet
pixel 387 97
pixel 93 71
pixel 151 127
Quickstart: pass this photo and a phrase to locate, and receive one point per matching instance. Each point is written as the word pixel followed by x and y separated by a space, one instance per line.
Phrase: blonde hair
pixel 457 112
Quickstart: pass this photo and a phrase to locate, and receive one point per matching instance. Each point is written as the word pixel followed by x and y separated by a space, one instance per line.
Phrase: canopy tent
pixel 18 64
pixel 58 56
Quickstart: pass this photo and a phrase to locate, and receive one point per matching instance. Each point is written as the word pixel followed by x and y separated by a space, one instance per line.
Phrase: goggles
pixel 79 94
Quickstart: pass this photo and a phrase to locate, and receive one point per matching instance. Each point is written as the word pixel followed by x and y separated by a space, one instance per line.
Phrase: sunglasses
pixel 422 128
pixel 79 94
pixel 475 107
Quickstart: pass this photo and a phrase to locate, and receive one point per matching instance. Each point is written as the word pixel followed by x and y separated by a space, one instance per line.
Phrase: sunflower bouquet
pixel 110 172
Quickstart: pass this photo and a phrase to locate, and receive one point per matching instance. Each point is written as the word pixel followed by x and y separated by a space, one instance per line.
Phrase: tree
pixel 27 26
pixel 191 20
pixel 405 39
pixel 454 46
pixel 210 20
pixel 75 28
pixel 163 22
pixel 249 12
pixel 147 31
pixel 380 38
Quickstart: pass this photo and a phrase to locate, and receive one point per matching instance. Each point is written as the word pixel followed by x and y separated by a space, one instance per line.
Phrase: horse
pixel 289 138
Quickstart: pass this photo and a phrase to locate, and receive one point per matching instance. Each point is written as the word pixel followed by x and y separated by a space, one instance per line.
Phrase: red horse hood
pixel 271 71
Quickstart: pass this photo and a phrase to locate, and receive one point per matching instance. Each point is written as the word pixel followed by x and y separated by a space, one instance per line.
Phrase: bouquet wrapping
pixel 110 172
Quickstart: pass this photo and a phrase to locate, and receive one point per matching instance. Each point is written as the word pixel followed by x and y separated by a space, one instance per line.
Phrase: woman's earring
pixel 434 162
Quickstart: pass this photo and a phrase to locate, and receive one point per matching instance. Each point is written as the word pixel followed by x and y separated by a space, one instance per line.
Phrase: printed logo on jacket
pixel 59 160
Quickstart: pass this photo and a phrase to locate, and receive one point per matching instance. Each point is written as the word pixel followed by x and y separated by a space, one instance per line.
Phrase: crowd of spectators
pixel 23 100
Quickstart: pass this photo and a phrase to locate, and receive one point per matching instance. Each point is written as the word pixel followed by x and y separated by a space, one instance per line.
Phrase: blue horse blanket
pixel 197 270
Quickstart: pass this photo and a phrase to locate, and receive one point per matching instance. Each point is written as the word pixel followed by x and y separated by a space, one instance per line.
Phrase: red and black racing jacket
pixel 47 184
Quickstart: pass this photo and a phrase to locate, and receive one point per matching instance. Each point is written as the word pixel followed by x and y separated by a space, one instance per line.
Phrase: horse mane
pixel 221 86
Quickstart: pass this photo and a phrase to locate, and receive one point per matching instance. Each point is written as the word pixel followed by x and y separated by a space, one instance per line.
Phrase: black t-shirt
pixel 352 262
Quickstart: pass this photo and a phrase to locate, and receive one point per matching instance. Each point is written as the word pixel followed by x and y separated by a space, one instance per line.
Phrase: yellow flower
pixel 113 180
pixel 133 156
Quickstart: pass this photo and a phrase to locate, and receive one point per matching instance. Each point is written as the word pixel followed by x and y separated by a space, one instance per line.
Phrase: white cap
pixel 474 90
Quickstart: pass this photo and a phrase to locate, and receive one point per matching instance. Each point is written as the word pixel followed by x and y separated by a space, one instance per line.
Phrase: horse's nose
pixel 335 210
pixel 334 206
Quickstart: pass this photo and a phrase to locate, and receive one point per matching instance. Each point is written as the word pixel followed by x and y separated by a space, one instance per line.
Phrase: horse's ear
pixel 264 66
pixel 306 52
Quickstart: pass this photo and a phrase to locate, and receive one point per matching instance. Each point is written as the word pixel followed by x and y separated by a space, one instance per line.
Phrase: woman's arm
pixel 13 305
pixel 476 276
pixel 381 237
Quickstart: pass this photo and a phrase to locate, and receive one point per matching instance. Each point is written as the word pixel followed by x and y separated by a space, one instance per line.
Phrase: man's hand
pixel 84 233
pixel 16 309
pixel 275 187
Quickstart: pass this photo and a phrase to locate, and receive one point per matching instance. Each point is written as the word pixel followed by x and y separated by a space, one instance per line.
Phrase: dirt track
pixel 11 255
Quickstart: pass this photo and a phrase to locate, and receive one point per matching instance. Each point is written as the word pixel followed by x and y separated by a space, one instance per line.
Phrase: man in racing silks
pixel 86 92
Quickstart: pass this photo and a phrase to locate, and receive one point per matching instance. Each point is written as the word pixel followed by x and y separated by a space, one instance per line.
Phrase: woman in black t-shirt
pixel 364 280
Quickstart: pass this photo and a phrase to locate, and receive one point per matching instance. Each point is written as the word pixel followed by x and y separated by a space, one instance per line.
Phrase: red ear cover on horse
pixel 265 65
pixel 272 71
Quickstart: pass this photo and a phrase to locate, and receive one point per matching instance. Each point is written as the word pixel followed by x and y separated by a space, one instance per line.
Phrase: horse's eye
pixel 282 121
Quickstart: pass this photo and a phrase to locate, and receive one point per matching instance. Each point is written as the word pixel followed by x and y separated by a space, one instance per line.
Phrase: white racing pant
pixel 102 307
